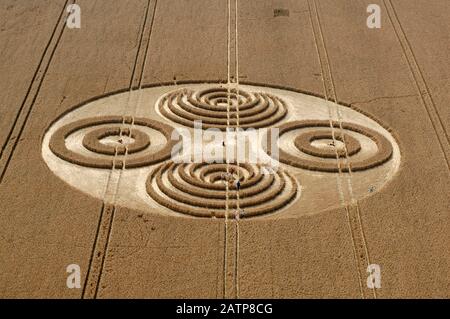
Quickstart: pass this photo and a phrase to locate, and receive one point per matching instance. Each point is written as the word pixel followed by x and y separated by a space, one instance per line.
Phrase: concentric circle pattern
pixel 118 148
pixel 92 141
pixel 304 143
pixel 324 159
pixel 200 189
pixel 108 156
pixel 256 110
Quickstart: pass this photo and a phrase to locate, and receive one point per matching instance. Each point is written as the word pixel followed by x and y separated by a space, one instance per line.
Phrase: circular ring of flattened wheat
pixel 303 144
pixel 256 110
pixel 200 189
pixel 91 141
pixel 136 155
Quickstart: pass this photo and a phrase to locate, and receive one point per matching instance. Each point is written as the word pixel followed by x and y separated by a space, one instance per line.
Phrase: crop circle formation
pixel 320 158
pixel 107 156
pixel 118 148
pixel 200 189
pixel 256 110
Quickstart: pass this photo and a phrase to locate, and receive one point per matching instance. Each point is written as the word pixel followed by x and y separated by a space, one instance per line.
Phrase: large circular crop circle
pixel 200 189
pixel 332 159
pixel 107 156
pixel 255 109
pixel 118 148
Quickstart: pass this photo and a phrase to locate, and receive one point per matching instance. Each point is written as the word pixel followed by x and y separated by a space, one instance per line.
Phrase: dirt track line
pixel 359 238
pixel 36 72
pixel 419 80
pixel 106 220
pixel 148 46
pixel 360 241
pixel 85 285
pixel 23 114
pixel 325 79
pixel 225 252
pixel 101 241
pixel 236 258
pixel 353 212
pixel 327 93
pixel 96 262
pixel 133 114
pixel 144 65
pixel 218 261
pixel 236 249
